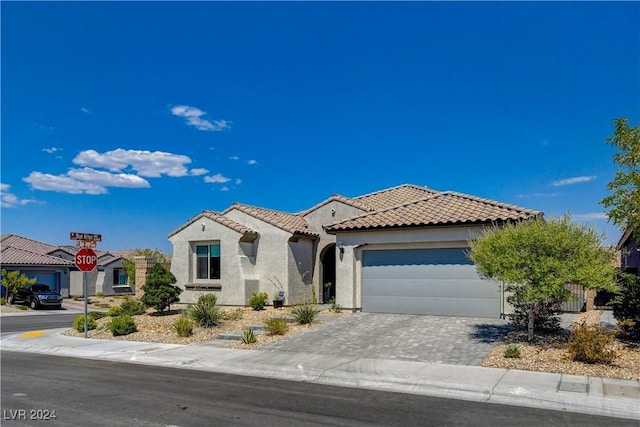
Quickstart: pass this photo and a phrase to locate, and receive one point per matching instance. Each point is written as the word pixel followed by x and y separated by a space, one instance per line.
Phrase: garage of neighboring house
pixel 441 281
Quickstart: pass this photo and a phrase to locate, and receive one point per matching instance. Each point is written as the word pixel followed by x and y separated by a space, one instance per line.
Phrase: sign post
pixel 86 261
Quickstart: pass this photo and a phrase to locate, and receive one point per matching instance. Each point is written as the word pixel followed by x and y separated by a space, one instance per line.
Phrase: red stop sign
pixel 86 259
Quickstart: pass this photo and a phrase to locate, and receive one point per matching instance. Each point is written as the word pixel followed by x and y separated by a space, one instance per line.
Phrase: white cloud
pixel 85 110
pixel 225 188
pixel 216 179
pixel 194 118
pixel 590 216
pixel 198 171
pixel 146 163
pixel 107 179
pixel 234 158
pixel 10 200
pixel 62 184
pixel 238 181
pixel 51 150
pixel 252 162
pixel 573 180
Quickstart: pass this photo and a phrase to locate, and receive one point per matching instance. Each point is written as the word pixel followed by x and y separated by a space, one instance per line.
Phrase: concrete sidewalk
pixel 590 395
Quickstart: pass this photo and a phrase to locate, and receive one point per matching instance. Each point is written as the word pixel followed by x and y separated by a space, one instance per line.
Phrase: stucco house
pixel 397 250
pixel 54 266
pixel 629 253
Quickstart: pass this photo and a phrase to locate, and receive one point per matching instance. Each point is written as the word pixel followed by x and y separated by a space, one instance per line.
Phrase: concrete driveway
pixel 436 339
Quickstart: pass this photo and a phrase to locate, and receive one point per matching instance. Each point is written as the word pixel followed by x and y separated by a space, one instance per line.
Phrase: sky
pixel 128 118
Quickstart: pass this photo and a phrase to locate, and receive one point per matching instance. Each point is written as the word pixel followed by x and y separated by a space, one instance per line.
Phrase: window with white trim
pixel 208 261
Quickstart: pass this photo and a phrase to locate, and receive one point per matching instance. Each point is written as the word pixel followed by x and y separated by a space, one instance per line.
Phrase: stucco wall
pixel 329 213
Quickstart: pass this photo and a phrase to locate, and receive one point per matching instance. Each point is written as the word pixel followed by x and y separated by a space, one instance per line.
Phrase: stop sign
pixel 86 259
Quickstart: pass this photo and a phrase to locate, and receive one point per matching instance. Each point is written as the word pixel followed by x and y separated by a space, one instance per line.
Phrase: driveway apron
pixel 435 339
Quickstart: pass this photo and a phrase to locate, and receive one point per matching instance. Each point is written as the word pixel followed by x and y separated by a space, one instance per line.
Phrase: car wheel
pixel 33 304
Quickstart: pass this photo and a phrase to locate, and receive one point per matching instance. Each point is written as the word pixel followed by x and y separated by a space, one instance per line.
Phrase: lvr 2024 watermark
pixel 29 414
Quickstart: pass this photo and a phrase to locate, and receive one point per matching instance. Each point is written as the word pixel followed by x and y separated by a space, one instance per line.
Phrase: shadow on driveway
pixel 489 333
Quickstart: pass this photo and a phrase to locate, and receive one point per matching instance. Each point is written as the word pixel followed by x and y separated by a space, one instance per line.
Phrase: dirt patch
pixel 548 353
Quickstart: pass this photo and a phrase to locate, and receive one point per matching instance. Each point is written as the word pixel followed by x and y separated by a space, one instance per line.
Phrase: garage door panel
pixel 426 281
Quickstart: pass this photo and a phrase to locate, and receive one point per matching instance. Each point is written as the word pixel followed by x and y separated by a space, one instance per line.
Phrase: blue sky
pixel 127 119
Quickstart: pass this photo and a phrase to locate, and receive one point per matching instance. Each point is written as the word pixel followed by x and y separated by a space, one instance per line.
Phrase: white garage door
pixel 426 281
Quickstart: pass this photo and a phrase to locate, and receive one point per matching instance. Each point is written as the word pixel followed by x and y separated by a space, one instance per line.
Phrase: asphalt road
pixel 98 393
pixel 32 322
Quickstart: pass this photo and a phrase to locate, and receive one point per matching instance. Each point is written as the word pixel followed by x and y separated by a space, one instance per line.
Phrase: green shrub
pixel 78 323
pixel 133 307
pixel 97 314
pixel 276 326
pixel 100 294
pixel 512 351
pixel 75 297
pixel 304 314
pixel 546 314
pixel 205 312
pixel 184 326
pixel 248 336
pixel 114 311
pixel 23 307
pixel 3 301
pixel 122 325
pixel 626 305
pixel 258 300
pixel 588 344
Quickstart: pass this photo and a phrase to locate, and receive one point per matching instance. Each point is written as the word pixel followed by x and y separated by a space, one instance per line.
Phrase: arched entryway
pixel 328 284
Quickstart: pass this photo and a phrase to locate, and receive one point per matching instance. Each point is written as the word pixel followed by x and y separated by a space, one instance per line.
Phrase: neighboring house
pixel 629 253
pixel 54 266
pixel 398 250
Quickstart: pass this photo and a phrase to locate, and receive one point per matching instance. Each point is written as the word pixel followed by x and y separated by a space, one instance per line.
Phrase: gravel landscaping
pixel 548 353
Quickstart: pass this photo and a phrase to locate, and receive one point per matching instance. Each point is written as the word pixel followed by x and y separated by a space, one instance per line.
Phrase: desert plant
pixel 133 307
pixel 184 326
pixel 588 344
pixel 546 313
pixel 100 294
pixel 97 314
pixel 626 305
pixel 335 307
pixel 258 300
pixel 75 297
pixel 78 323
pixel 248 336
pixel 304 314
pixel 512 351
pixel 3 301
pixel 13 281
pixel 205 312
pixel 122 325
pixel 114 311
pixel 235 314
pixel 276 325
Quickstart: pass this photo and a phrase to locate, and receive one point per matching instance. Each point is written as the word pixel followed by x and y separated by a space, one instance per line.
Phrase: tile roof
pixel 221 219
pixel 437 208
pixel 292 223
pixel 338 198
pixel 17 256
pixel 20 242
pixel 394 196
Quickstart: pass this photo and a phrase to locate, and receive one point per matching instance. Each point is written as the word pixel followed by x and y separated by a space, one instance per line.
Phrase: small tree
pixel 159 289
pixel 623 203
pixel 13 281
pixel 537 259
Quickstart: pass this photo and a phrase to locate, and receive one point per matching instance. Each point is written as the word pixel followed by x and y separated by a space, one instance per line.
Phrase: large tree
pixel 13 281
pixel 538 258
pixel 623 202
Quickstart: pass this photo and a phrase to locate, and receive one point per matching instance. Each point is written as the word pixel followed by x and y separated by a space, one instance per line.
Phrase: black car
pixel 38 295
